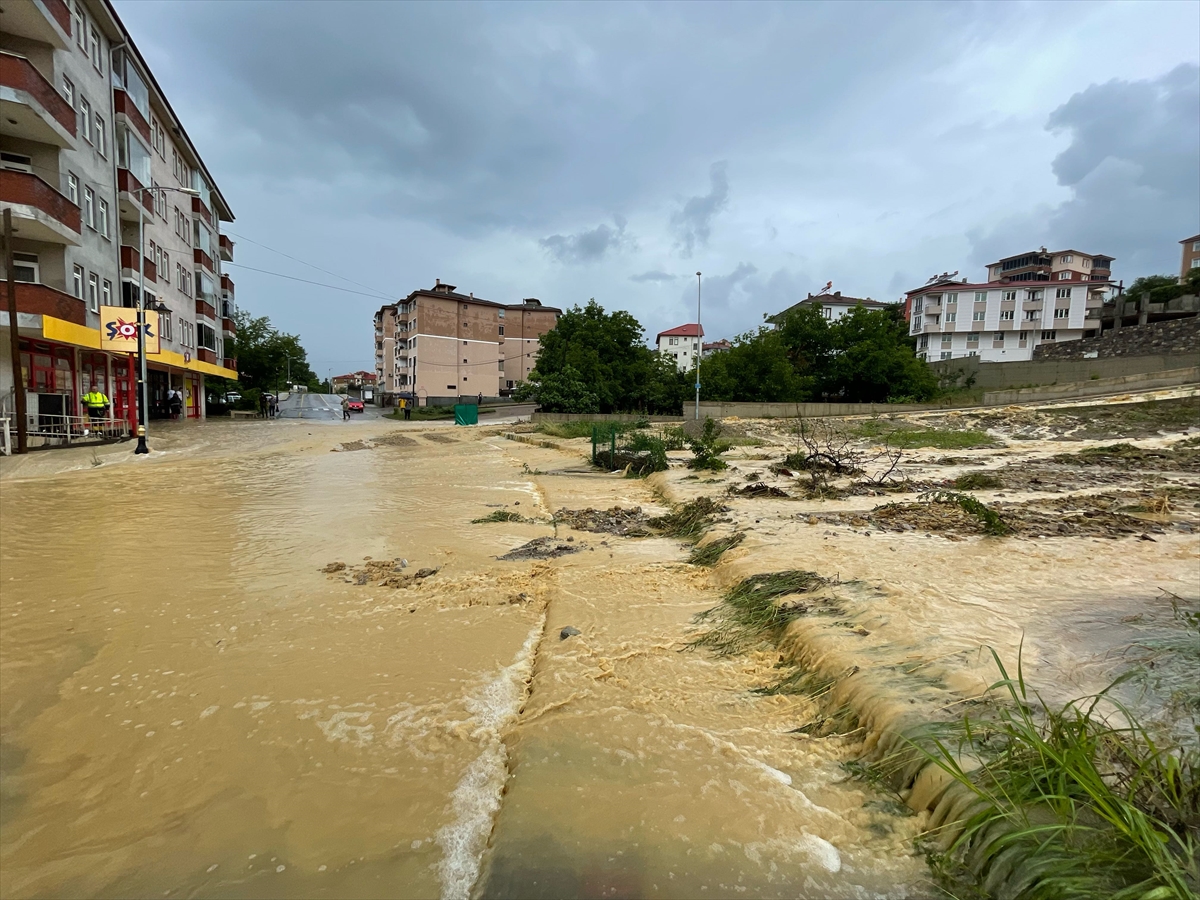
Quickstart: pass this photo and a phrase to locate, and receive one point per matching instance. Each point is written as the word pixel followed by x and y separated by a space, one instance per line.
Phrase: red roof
pixel 692 330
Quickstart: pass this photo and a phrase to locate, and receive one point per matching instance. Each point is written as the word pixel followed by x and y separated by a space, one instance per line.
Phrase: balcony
pixel 123 106
pixel 931 328
pixel 129 261
pixel 227 285
pixel 40 213
pixel 204 308
pixel 42 300
pixel 228 326
pixel 231 363
pixel 199 209
pixel 44 21
pixel 129 185
pixel 30 106
pixel 205 355
pixel 226 249
pixel 203 259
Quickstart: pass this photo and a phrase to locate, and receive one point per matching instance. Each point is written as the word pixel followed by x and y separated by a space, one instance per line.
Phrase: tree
pixel 262 353
pixel 606 352
pixel 1162 288
pixel 873 361
pixel 756 369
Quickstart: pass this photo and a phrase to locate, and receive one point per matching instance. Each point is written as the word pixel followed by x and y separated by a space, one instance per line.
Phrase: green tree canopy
pixel 605 355
pixel 262 354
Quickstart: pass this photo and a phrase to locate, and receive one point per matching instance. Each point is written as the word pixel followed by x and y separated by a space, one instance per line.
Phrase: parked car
pixel 232 397
pixel 355 405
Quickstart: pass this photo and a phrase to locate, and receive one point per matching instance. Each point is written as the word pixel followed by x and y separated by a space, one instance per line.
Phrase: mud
pixel 615 520
pixel 543 548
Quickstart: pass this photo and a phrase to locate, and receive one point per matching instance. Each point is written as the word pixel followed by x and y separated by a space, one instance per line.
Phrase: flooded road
pixel 191 707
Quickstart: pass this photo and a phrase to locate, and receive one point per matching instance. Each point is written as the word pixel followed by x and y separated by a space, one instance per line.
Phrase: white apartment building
pixel 1000 321
pixel 681 345
pixel 85 128
pixel 833 306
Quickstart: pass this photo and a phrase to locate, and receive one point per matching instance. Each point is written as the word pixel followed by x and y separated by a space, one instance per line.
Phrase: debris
pixel 334 567
pixel 567 632
pixel 759 489
pixel 616 520
pixel 541 548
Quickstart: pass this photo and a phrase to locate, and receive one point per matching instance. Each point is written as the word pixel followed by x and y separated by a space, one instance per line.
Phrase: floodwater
pixel 190 706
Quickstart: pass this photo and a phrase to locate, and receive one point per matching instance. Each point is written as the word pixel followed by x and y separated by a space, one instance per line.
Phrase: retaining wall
pixel 1033 373
pixel 1178 336
pixel 718 410
pixel 1094 388
pixel 603 417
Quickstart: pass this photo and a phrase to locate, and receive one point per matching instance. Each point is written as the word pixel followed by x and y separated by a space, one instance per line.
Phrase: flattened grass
pixel 688 520
pixel 500 515
pixel 751 610
pixel 711 553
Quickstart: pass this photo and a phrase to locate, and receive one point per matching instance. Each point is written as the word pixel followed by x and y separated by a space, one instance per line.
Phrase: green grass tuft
pixel 942 440
pixel 992 523
pixel 974 481
pixel 710 553
pixel 500 515
pixel 751 610
pixel 688 520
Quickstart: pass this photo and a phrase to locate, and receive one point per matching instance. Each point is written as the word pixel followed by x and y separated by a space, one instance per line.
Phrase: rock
pixel 334 567
pixel 567 632
pixel 404 563
pixel 426 573
pixel 1146 537
pixel 516 503
pixel 362 578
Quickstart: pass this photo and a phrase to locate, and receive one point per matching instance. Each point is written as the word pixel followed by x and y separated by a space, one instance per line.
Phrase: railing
pixel 127 181
pixel 72 429
pixel 228 325
pixel 19 73
pixel 201 210
pixel 205 309
pixel 206 355
pixel 226 248
pixel 129 261
pixel 124 105
pixel 26 189
pixel 43 300
pixel 227 285
pixel 203 259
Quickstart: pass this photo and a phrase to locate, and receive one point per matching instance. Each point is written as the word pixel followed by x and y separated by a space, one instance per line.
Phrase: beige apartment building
pixel 86 133
pixel 1191 256
pixel 1044 265
pixel 440 344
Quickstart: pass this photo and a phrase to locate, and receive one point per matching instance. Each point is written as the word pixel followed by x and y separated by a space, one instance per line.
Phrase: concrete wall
pixel 601 417
pixel 1177 336
pixel 1011 375
pixel 789 410
pixel 1148 381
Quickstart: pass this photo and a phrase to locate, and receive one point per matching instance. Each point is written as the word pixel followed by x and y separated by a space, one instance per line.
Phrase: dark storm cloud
pixel 654 275
pixel 693 223
pixel 1133 167
pixel 587 246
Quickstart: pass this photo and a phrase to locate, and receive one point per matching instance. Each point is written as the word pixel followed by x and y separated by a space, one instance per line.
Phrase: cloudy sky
pixel 566 151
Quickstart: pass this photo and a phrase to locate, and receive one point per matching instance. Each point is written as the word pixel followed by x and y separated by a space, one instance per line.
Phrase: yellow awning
pixel 69 333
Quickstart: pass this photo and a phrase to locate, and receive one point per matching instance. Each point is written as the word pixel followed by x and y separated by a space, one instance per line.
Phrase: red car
pixel 355 405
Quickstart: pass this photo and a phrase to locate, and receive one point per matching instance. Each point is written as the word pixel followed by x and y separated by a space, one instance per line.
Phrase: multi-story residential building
pixel 1044 265
pixel 1000 322
pixel 681 344
pixel 715 347
pixel 833 306
pixel 1191 256
pixel 86 132
pixel 438 343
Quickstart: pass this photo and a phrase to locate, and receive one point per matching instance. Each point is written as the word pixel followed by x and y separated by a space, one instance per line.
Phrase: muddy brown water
pixel 190 707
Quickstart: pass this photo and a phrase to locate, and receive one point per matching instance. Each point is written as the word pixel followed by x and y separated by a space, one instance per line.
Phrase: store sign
pixel 119 329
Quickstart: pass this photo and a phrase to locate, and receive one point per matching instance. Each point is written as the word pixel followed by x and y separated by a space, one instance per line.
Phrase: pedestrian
pixel 175 404
pixel 407 404
pixel 274 405
pixel 262 405
pixel 345 409
pixel 480 401
pixel 96 404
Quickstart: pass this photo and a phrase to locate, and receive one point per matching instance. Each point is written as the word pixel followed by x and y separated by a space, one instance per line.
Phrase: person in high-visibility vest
pixel 96 403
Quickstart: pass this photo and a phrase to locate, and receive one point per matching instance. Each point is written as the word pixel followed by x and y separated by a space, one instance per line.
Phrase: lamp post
pixel 143 398
pixel 699 346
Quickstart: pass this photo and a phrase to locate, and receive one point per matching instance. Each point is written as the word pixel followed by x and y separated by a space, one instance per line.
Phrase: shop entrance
pixel 159 384
pixel 124 390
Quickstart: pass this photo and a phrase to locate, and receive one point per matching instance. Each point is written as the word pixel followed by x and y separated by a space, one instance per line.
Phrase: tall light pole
pixel 143 397
pixel 699 346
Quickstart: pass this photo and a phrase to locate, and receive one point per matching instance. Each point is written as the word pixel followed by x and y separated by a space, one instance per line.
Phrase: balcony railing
pixel 26 189
pixel 227 285
pixel 226 248
pixel 123 105
pixel 205 355
pixel 229 326
pixel 128 182
pixel 201 210
pixel 231 363
pixel 203 259
pixel 19 73
pixel 43 300
pixel 129 261
pixel 205 309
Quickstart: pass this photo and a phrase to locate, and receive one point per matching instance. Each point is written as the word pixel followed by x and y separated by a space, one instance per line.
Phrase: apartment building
pixel 681 344
pixel 833 306
pixel 438 343
pixel 1191 256
pixel 1043 265
pixel 86 135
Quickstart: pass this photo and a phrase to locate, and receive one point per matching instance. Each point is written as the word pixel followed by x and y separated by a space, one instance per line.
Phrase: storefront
pixel 48 374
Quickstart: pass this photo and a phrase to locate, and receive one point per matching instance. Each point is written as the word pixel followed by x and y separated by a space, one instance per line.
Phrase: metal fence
pixel 66 430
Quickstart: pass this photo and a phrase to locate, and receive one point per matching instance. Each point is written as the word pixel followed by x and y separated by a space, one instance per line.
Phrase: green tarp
pixel 466 414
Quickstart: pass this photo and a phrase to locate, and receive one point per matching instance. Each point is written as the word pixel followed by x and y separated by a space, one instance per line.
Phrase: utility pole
pixel 18 380
pixel 699 346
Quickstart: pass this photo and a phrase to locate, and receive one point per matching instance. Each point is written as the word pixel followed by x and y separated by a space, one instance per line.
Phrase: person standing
pixel 262 405
pixel 175 404
pixel 345 409
pixel 96 403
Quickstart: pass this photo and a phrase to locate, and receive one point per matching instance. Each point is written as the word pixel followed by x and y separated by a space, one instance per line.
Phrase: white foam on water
pixel 823 853
pixel 476 798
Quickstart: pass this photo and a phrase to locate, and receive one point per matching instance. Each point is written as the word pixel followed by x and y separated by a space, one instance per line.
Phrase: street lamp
pixel 143 399
pixel 699 346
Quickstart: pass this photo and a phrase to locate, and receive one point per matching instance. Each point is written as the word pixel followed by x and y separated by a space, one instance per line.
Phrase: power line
pixel 240 237
pixel 333 287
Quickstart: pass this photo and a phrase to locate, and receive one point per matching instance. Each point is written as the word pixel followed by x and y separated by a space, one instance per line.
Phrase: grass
pixel 500 515
pixel 1064 802
pixel 688 520
pixel 991 521
pixel 425 413
pixel 974 481
pixel 750 610
pixel 942 440
pixel 710 553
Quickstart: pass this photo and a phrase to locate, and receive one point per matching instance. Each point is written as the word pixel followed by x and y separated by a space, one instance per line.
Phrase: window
pixel 164 327
pixel 1032 315
pixel 828 312
pixel 945 354
pixel 1033 295
pixel 950 317
pixel 89 207
pixel 102 217
pixel 179 275
pixel 182 332
pixel 1024 335
pixel 1086 263
pixel 106 293
pixel 953 298
pixel 25 267
pixel 947 340
pixel 451 387
pixel 206 337
pixel 94 51
pixel 977 316
pixel 1066 259
pixel 1061 313
pixel 69 92
pixel 1006 315
pixel 973 337
pixel 1196 246
pixel 1048 335
pixel 93 298
pixel 918 304
pixel 73 188
pixel 465 360
pixel 1062 293
pixel 101 140
pixel 916 323
pixel 85 114
pixel 972 353
pixel 80 39
pixel 160 200
pixel 501 331
pixel 1009 295
pixel 981 296
pixel 998 337
pixel 77 282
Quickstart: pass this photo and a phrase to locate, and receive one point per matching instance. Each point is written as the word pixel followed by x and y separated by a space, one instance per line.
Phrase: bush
pixel 707 448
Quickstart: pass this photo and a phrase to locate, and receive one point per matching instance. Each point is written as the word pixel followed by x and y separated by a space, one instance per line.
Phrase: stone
pixel 426 573
pixel 567 632
pixel 334 567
